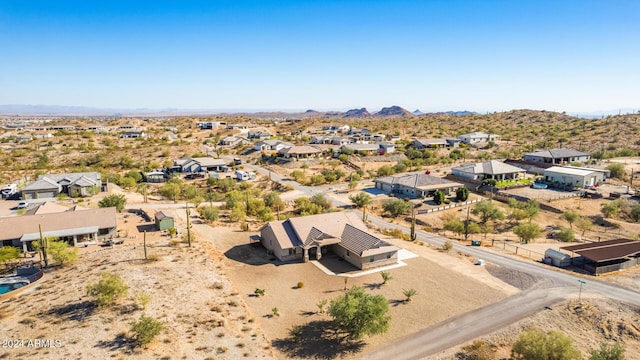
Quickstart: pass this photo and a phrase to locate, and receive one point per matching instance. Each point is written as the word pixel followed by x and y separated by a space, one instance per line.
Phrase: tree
pixel 145 329
pixel 527 232
pixel 531 208
pixel 108 290
pixel 612 209
pixel 117 201
pixel 9 253
pixel 571 216
pixel 321 200
pixel 408 294
pixel 61 252
pixel 209 213
pixel 357 313
pixel 170 190
pixel 454 225
pixel 439 197
pixel 585 225
pixel 487 211
pixel 462 194
pixel 617 170
pixel 273 201
pixel 397 207
pixel 386 276
pixel 361 200
pixel 635 213
pixel 566 235
pixel 536 345
pixel 608 352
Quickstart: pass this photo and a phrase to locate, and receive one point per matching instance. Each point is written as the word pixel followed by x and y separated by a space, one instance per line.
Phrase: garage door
pixel 46 194
pixel 29 196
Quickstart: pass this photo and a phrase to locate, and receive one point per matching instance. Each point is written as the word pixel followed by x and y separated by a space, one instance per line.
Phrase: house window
pixel 347 254
pixel 371 259
pixel 292 251
pixel 388 256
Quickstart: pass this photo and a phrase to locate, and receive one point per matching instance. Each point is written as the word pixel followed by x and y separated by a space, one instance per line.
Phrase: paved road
pixel 556 286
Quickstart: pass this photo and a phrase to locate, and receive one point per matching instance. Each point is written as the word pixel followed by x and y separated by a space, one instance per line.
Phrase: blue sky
pixel 570 55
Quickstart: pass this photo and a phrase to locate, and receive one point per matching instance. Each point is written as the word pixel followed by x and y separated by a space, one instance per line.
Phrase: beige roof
pixel 46 207
pixel 16 226
pixel 302 149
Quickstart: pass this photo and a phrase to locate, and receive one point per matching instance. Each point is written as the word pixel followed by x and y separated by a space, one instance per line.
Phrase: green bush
pixel 145 329
pixel 108 290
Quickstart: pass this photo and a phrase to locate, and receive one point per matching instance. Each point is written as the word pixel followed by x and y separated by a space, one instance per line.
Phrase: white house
pixel 574 176
pixel 492 169
pixel 272 145
pixel 478 137
pixel 557 156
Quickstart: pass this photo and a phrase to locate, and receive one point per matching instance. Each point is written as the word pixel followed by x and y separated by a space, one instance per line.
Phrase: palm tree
pixel 386 276
pixel 408 293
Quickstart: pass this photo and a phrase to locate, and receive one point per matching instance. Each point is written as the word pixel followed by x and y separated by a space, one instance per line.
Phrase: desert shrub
pixel 145 329
pixel 117 201
pixel 295 331
pixel 448 245
pixel 141 299
pixel 108 290
pixel 61 252
pixel 300 285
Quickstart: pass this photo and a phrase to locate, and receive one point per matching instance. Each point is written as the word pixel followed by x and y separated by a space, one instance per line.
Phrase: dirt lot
pixel 430 274
pixel 203 315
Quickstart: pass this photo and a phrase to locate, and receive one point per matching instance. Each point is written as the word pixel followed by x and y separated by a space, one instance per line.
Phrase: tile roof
pixel 362 243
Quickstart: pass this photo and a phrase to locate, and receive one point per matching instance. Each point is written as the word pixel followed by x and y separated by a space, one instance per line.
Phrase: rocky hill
pixel 357 113
pixel 394 111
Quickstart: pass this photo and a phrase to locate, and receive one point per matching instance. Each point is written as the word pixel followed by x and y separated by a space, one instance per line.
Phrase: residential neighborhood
pixel 324 205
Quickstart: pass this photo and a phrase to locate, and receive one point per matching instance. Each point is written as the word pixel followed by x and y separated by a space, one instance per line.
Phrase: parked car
pixel 22 205
pixel 194 176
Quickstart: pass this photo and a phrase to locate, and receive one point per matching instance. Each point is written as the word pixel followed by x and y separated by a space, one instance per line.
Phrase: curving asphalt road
pixel 555 287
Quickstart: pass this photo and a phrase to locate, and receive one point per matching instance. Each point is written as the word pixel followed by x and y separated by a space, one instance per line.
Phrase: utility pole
pixel 188 226
pixel 413 222
pixel 144 243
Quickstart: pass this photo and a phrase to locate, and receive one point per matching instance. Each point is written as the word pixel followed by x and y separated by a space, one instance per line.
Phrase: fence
pixel 451 206
pixel 517 249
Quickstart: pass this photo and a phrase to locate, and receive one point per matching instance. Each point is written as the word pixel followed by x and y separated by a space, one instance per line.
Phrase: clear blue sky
pixel 568 55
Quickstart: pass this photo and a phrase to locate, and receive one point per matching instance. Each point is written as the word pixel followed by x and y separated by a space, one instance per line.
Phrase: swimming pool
pixel 7 287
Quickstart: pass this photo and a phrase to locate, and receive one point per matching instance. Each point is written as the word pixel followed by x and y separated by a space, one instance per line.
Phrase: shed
pixel 163 221
pixel 557 258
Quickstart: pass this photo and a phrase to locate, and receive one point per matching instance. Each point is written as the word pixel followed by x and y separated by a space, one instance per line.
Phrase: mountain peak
pixel 394 111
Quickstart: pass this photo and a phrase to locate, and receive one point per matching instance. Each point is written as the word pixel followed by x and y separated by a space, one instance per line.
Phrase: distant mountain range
pixel 392 111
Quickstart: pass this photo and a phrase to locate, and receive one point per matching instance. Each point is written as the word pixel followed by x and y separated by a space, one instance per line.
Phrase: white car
pixel 22 205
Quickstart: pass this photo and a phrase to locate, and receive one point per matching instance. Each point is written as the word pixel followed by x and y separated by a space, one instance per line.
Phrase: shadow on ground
pixel 118 343
pixel 147 228
pixel 317 340
pixel 251 254
pixel 75 311
pixel 337 265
